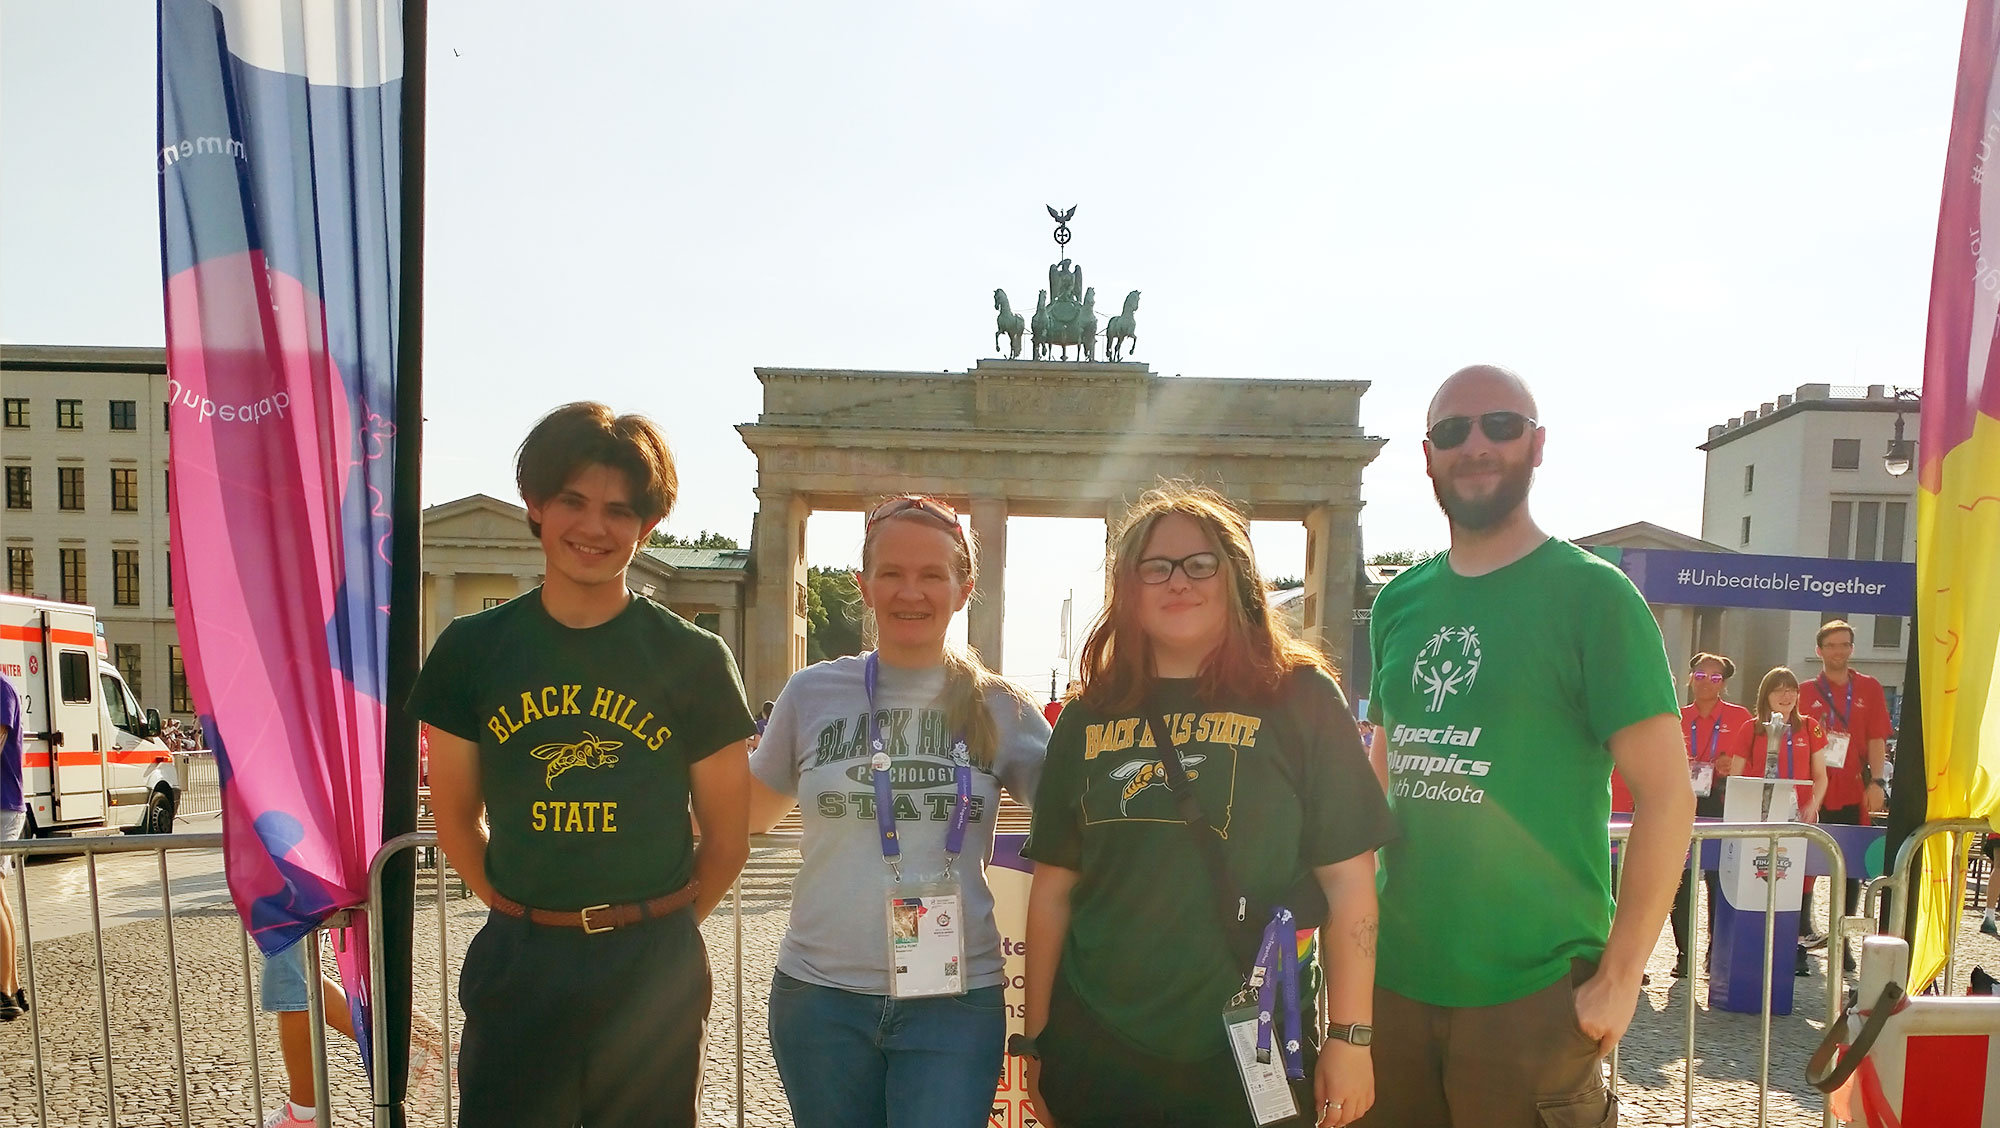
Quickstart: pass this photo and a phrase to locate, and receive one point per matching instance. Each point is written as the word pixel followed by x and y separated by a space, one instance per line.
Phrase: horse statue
pixel 1090 324
pixel 1010 325
pixel 1124 327
pixel 1039 326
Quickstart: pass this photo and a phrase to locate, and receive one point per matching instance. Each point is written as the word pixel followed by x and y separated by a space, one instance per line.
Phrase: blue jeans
pixel 850 1060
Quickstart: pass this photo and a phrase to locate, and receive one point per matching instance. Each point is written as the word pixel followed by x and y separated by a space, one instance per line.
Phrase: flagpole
pixel 399 792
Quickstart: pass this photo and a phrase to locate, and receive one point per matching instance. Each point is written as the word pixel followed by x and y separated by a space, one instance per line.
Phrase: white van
pixel 93 758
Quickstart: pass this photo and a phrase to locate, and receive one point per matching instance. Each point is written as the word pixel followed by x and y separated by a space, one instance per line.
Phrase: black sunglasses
pixel 1497 426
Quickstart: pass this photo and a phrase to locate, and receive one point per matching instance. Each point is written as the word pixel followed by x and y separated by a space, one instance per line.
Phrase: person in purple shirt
pixel 13 820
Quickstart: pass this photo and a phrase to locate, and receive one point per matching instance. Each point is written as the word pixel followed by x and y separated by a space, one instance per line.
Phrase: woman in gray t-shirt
pixel 863 1037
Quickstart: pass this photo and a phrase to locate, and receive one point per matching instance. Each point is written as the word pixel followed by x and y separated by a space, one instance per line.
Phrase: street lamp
pixel 1896 460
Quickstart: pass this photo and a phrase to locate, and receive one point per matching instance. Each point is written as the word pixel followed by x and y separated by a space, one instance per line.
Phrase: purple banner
pixel 1794 583
pixel 279 176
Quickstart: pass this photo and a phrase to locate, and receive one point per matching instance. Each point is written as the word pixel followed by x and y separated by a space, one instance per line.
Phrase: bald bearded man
pixel 1511 675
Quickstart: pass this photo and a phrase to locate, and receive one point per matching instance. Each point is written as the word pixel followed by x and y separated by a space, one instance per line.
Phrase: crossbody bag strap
pixel 1233 905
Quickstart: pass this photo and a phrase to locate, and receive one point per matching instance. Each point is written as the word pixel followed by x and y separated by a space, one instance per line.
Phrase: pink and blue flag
pixel 279 170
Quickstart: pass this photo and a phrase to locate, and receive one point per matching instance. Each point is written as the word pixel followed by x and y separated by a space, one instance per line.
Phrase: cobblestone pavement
pixel 216 1022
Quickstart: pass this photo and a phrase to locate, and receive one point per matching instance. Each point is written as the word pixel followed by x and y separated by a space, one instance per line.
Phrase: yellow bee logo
pixel 589 752
pixel 1142 774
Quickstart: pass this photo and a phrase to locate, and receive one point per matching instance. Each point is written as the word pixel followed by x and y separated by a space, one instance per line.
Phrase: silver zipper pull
pixel 1242 907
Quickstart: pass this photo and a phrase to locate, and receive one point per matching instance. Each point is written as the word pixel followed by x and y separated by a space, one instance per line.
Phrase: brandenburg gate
pixel 1047 437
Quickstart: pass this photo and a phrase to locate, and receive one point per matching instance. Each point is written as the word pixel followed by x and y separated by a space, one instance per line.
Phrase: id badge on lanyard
pixel 1264 1034
pixel 1836 749
pixel 1701 773
pixel 924 921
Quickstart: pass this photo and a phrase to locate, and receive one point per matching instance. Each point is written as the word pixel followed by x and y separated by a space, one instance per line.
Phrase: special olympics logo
pixel 1447 665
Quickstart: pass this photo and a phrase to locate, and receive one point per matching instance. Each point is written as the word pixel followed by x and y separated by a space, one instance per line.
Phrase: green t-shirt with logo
pixel 1286 785
pixel 1496 696
pixel 585 737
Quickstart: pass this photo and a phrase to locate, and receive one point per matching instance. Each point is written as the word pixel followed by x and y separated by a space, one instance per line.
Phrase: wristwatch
pixel 1022 1046
pixel 1357 1034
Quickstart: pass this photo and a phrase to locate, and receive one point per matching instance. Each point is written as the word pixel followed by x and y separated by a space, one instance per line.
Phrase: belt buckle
pixel 584 916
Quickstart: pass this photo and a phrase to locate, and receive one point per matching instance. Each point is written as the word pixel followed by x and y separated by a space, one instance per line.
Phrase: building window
pixel 17 412
pixel 20 570
pixel 491 602
pixel 1866 530
pixel 166 416
pixel 167 488
pixel 69 415
pixel 1745 539
pixel 1847 454
pixel 124 490
pixel 179 699
pixel 75 578
pixel 125 577
pixel 20 487
pixel 1749 478
pixel 170 577
pixel 124 415
pixel 1888 632
pixel 69 487
pixel 126 656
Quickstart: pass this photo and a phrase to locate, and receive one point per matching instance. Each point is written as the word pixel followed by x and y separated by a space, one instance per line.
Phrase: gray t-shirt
pixel 816 747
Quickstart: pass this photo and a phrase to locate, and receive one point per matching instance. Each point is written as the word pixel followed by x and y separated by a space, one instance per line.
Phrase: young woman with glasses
pixel 887 1006
pixel 1718 733
pixel 1133 953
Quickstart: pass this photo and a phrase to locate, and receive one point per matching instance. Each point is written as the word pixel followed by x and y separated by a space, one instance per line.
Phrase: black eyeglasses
pixel 1160 569
pixel 1497 426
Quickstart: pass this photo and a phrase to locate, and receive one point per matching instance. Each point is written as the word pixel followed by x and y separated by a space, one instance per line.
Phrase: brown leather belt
pixel 601 918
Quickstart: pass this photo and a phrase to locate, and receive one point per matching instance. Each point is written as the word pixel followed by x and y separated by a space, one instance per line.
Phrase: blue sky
pixel 1661 215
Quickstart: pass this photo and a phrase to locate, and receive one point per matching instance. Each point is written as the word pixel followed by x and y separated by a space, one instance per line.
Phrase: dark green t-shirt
pixel 1496 695
pixel 585 737
pixel 1286 785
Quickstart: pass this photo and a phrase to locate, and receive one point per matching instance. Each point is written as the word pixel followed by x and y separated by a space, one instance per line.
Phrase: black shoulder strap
pixel 1230 903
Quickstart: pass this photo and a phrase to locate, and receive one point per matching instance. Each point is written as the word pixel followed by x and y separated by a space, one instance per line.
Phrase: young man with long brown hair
pixel 583 720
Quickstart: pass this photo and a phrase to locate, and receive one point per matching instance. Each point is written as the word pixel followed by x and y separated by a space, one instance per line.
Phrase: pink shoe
pixel 284 1118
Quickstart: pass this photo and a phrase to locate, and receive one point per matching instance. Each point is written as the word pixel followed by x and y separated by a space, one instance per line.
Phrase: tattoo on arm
pixel 1364 936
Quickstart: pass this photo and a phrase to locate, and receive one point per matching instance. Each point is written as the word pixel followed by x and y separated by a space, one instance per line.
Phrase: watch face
pixel 1357 1034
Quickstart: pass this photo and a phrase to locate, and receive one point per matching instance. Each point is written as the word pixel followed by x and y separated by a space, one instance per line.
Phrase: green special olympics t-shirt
pixel 1286 785
pixel 1496 696
pixel 585 737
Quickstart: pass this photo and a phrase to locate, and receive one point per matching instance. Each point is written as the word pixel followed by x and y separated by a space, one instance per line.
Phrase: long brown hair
pixel 1778 678
pixel 1258 652
pixel 967 681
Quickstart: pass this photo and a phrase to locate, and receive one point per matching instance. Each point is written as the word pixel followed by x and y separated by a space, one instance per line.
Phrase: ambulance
pixel 93 758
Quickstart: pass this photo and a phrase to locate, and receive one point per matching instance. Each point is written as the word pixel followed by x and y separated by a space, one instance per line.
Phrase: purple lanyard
pixel 1277 972
pixel 1771 768
pixel 1826 694
pixel 885 799
pixel 1714 738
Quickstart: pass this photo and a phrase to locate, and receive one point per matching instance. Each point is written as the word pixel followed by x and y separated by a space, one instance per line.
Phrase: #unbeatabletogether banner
pixel 279 172
pixel 1795 583
pixel 1958 496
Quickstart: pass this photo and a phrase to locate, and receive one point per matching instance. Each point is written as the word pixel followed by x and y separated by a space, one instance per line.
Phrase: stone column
pixel 444 604
pixel 778 624
pixel 1677 631
pixel 726 625
pixel 986 617
pixel 524 582
pixel 1332 544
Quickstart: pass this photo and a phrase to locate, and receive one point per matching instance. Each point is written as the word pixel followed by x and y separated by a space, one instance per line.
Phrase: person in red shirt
pixel 1716 730
pixel 1801 751
pixel 1852 708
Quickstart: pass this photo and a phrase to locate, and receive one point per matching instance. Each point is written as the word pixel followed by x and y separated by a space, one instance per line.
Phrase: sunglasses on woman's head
pixel 929 506
pixel 1497 426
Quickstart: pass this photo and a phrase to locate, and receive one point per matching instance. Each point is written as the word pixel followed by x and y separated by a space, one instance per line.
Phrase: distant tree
pixel 833 614
pixel 703 539
pixel 1286 583
pixel 1402 556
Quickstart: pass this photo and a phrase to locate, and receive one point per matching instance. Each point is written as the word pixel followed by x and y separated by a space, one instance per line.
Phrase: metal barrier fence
pixel 160 846
pixel 201 784
pixel 1964 833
